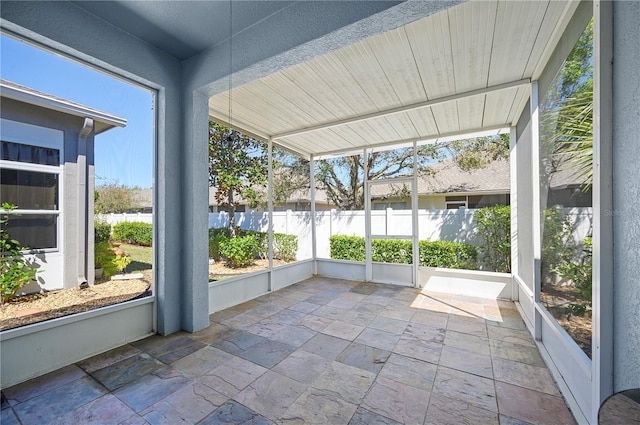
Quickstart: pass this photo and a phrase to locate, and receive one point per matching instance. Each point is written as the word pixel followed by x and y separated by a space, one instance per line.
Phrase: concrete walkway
pixel 323 351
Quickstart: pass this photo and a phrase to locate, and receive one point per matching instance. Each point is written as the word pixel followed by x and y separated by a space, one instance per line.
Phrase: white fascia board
pixel 32 97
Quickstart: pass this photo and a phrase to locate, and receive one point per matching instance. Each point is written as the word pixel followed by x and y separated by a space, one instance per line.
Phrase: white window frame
pixel 33 135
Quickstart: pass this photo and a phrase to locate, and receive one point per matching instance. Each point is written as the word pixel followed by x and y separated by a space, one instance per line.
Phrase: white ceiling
pixel 458 71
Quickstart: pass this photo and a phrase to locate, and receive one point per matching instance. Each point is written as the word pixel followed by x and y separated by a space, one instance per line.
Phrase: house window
pixel 30 178
pixel 455 202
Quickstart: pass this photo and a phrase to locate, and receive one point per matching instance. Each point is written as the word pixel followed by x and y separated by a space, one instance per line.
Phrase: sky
pixel 124 155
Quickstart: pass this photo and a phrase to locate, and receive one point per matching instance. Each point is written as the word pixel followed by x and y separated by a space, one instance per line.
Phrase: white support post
pixel 602 333
pixel 270 208
pixel 535 176
pixel 367 221
pixel 415 234
pixel 513 169
pixel 312 183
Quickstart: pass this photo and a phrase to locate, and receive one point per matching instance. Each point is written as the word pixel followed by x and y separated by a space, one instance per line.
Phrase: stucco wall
pixel 71 126
pixel 626 195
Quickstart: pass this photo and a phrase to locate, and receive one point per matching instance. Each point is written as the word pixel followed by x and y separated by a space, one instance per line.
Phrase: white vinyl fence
pixel 450 225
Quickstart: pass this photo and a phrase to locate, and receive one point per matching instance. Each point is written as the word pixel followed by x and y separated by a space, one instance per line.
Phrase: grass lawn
pixel 141 257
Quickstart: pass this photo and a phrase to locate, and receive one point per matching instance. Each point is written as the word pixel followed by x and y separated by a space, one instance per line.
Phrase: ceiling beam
pixel 406 108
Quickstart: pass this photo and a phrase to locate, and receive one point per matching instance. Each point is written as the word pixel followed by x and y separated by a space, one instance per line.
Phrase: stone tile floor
pixel 323 351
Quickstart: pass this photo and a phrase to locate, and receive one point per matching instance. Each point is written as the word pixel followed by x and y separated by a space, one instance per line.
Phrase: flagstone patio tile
pixel 305 409
pixel 364 357
pixel 448 411
pixel 532 406
pixel 271 394
pixel 400 402
pixel 190 404
pixel 42 384
pixel 50 405
pixel 345 382
pixel 234 413
pixel 524 375
pixel 267 353
pixel 343 330
pixel 326 346
pixel 467 361
pixel 302 366
pixel 367 417
pixel 378 339
pixel 465 387
pixel 417 373
pixel 126 371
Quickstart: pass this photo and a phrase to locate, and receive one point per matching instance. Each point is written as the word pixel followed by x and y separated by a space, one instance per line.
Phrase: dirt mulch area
pixel 28 309
pixel 557 299
pixel 218 270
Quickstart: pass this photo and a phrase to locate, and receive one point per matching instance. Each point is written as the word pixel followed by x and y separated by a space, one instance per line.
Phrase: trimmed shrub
pixel 239 251
pixel 216 237
pixel 101 231
pixel 103 259
pixel 452 255
pixel 262 242
pixel 350 248
pixel 493 226
pixel 135 233
pixel 285 246
pixel 447 254
pixel 395 251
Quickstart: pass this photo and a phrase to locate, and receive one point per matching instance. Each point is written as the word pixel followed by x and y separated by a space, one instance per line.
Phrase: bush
pixel 285 247
pixel 15 271
pixel 239 251
pixel 432 253
pixel 452 255
pixel 101 231
pixel 103 259
pixel 350 248
pixel 493 225
pixel 395 251
pixel 216 237
pixel 262 242
pixel 135 233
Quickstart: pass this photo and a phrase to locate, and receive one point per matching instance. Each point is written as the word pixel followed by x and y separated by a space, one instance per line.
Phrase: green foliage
pixel 493 226
pixel 452 255
pixel 285 246
pixel 101 231
pixel 432 253
pixel 216 236
pixel 580 272
pixel 239 251
pixel 262 242
pixel 15 271
pixel 133 232
pixel 237 166
pixel 121 262
pixel 103 259
pixel 556 237
pixel 116 198
pixel 351 248
pixel 395 251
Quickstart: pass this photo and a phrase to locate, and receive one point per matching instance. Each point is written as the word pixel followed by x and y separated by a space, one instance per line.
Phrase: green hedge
pixel 285 246
pixel 101 231
pixel 135 233
pixel 239 251
pixel 432 253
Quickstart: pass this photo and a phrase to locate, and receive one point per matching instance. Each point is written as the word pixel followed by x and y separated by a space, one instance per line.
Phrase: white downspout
pixel 82 227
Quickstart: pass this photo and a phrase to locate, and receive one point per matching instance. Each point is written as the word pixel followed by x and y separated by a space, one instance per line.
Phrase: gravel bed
pixel 27 309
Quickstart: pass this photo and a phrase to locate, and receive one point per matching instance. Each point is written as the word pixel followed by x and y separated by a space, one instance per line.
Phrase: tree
pixel 343 178
pixel 237 169
pixel 116 198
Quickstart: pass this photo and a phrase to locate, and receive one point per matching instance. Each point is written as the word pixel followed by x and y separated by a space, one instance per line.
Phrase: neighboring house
pixel 449 187
pixel 46 161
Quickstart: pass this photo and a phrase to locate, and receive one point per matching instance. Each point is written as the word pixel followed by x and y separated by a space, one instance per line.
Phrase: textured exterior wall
pixel 626 195
pixel 106 47
pixel 71 126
